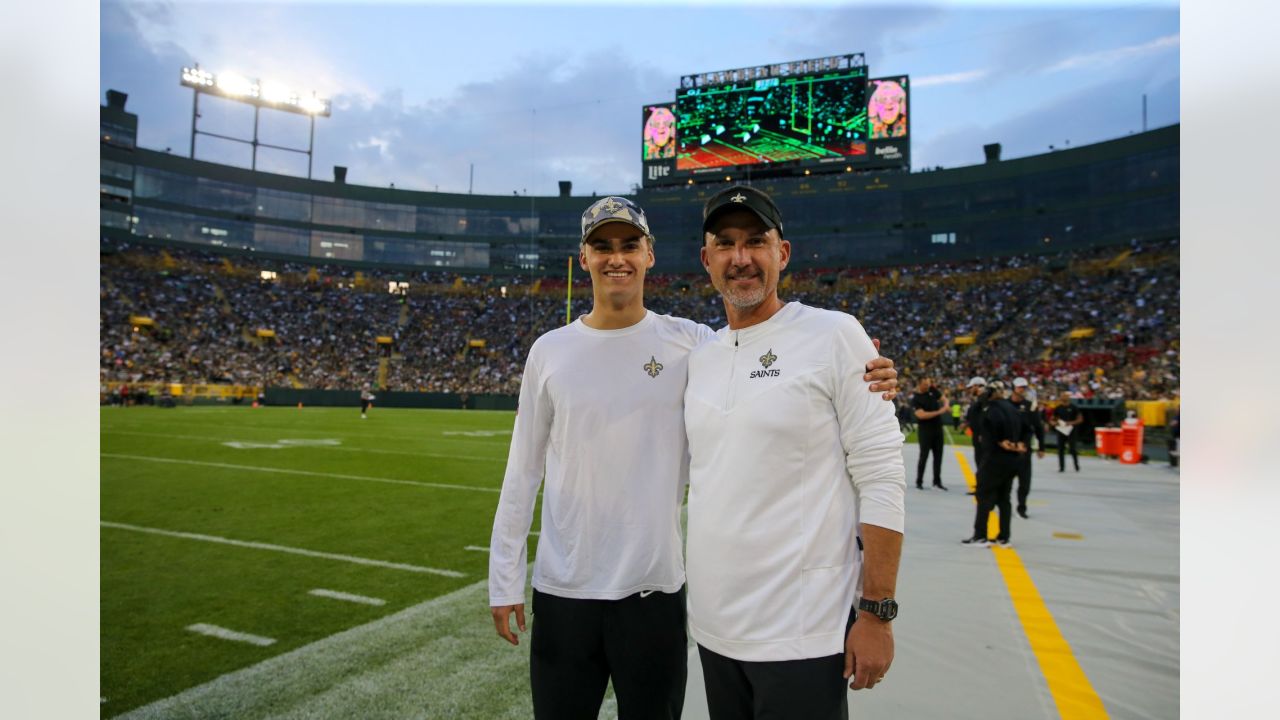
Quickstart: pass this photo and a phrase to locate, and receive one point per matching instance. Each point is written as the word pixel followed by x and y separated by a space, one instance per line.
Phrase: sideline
pixel 1072 692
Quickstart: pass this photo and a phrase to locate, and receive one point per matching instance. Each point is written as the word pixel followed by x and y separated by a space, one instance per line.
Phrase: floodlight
pixel 314 105
pixel 275 92
pixel 236 85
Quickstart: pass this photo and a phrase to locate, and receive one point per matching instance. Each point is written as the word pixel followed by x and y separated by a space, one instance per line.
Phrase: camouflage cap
pixel 614 209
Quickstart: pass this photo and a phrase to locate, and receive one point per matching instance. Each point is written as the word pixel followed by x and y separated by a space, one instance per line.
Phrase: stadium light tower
pixel 258 93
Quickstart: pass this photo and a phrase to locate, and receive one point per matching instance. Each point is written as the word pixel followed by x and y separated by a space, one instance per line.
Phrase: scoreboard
pixel 806 118
pixel 756 122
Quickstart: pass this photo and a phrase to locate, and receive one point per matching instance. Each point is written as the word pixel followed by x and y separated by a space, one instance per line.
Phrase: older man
pixel 796 479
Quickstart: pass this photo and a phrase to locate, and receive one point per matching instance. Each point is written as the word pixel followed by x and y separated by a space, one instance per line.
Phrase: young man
pixel 601 419
pixel 796 488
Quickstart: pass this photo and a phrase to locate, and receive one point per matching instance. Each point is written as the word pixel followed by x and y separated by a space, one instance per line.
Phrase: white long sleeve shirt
pixel 789 454
pixel 601 419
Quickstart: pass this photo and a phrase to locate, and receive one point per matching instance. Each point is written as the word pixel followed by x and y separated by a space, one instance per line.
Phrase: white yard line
pixel 285 549
pixel 309 473
pixel 220 440
pixel 292 430
pixel 438 654
pixel 347 597
pixel 225 634
pixel 476 548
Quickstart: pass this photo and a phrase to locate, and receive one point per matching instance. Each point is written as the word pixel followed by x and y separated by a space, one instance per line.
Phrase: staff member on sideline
pixel 1067 415
pixel 973 420
pixel 1005 433
pixel 929 405
pixel 796 488
pixel 1022 400
pixel 601 419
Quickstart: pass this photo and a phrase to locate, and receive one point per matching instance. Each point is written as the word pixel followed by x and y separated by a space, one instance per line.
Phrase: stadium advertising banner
pixel 659 144
pixel 888 121
pixel 805 119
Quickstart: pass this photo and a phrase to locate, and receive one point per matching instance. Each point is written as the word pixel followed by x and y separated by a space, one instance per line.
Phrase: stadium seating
pixel 1102 323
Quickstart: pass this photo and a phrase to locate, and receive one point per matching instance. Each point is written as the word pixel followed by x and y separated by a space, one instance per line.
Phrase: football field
pixel 233 535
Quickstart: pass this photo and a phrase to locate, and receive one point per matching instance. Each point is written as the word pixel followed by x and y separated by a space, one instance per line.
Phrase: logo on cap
pixel 612 209
pixel 653 367
pixel 739 198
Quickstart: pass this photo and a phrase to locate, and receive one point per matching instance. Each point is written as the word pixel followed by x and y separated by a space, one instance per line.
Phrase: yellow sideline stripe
pixel 1071 689
pixel 1072 692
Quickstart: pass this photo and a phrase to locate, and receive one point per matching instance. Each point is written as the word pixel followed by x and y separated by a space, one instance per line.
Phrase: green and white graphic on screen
pixel 776 119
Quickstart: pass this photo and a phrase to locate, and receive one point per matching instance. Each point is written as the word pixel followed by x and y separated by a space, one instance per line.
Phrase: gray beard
pixel 745 300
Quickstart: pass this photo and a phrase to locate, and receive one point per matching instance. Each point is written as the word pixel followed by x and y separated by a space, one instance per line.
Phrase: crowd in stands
pixel 1102 323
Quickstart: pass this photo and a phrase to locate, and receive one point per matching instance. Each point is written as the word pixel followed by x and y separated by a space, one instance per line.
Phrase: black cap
pixel 742 196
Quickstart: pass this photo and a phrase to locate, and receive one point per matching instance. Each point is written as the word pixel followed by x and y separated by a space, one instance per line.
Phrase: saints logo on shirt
pixel 653 367
pixel 766 360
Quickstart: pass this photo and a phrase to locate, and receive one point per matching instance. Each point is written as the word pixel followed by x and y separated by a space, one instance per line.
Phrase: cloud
pixel 1103 111
pixel 949 78
pixel 877 32
pixel 548 118
pixel 1116 55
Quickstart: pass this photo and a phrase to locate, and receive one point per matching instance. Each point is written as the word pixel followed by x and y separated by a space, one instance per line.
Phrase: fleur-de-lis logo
pixel 612 206
pixel 653 367
pixel 768 358
pixel 739 198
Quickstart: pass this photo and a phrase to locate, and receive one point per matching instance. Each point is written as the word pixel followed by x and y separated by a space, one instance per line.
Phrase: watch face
pixel 888 609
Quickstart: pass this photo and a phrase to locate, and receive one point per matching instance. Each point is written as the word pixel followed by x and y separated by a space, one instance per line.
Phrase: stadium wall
pixel 1106 193
pixel 290 397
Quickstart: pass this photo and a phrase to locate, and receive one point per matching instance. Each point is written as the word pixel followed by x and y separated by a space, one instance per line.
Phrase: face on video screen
pixel 659 133
pixel 887 109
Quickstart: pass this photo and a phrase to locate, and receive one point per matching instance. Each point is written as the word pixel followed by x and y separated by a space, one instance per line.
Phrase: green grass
pixel 154 586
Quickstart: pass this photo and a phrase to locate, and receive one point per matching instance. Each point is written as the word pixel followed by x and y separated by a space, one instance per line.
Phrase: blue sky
pixel 532 93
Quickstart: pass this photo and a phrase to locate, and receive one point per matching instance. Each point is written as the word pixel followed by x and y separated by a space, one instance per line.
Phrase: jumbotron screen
pixel 769 120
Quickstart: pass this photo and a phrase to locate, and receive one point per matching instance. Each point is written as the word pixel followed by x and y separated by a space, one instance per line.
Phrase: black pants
pixel 979 454
pixel 578 645
pixel 1024 480
pixel 1063 442
pixel 995 483
pixel 812 689
pixel 930 438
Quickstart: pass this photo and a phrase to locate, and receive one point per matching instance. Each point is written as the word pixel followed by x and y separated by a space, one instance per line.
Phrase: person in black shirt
pixel 1027 407
pixel 1005 433
pixel 1067 415
pixel 973 418
pixel 929 404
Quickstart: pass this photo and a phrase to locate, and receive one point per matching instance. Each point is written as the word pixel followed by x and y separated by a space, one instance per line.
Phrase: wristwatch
pixel 886 609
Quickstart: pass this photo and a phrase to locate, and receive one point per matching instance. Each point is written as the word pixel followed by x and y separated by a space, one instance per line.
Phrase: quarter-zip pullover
pixel 789 454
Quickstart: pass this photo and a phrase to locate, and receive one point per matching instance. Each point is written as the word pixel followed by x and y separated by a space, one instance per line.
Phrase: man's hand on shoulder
pixel 868 651
pixel 502 621
pixel 882 375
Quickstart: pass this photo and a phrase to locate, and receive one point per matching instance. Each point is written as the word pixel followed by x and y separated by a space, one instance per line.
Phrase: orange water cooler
pixel 1108 441
pixel 1131 431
